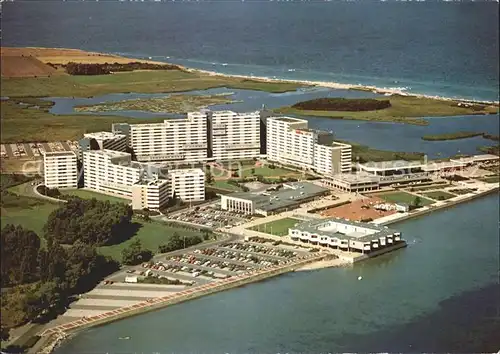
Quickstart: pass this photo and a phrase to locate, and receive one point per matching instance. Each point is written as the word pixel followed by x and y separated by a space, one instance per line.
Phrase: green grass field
pixel 156 81
pixel 404 109
pixel 152 234
pixel 278 227
pixel 439 195
pixel 225 185
pixel 403 197
pixel 265 171
pixel 30 217
pixel 84 194
pixel 490 179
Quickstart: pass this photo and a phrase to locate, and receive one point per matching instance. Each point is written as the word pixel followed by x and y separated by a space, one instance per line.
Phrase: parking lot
pixel 201 266
pixel 35 149
pixel 211 216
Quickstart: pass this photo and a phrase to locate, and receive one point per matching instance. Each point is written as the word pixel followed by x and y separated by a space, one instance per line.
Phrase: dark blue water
pixel 440 294
pixel 447 49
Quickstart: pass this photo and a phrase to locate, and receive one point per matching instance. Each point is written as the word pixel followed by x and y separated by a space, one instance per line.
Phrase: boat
pixel 224 64
pixel 291 70
pixel 127 337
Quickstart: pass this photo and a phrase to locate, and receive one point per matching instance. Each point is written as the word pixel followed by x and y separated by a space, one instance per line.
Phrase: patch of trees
pixel 90 221
pixel 38 283
pixel 135 254
pixel 108 68
pixel 176 242
pixel 343 104
pixel 49 192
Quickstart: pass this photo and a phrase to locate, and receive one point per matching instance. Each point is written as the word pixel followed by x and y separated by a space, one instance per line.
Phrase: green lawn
pixel 490 179
pixel 439 195
pixel 278 227
pixel 225 185
pixel 403 197
pixel 30 217
pixel 265 171
pixel 84 194
pixel 152 234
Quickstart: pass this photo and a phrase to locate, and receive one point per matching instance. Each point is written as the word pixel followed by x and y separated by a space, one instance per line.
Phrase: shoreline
pixel 340 86
pixel 313 83
pixel 47 343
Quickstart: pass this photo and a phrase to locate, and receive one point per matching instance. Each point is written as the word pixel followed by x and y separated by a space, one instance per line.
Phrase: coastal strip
pixel 53 336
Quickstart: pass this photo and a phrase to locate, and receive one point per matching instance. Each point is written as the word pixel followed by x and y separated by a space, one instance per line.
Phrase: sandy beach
pixel 327 263
pixel 388 91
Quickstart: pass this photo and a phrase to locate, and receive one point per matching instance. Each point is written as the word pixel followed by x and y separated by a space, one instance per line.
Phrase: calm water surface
pixel 439 294
pixel 447 49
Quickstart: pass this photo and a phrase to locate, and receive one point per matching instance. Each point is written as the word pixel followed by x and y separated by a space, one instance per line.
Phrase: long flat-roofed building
pixel 234 136
pixel 350 236
pixel 270 202
pixel 174 140
pixel 291 142
pixel 60 169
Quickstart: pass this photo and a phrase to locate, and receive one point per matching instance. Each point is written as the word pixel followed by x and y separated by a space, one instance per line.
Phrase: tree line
pixel 37 283
pixel 108 68
pixel 343 104
pixel 91 221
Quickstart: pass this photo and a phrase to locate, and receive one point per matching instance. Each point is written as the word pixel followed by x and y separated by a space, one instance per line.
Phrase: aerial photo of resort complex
pixel 132 183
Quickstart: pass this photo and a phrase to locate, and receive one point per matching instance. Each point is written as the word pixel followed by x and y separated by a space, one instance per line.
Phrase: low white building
pixel 349 236
pixel 60 169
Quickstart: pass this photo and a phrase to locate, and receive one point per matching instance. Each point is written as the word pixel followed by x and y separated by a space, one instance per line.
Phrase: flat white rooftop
pixel 477 158
pixel 59 153
pixel 103 135
pixel 389 165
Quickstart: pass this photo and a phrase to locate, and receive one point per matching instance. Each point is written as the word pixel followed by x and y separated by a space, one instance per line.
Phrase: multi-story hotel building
pixel 174 140
pixel 150 193
pixel 234 136
pixel 114 172
pixel 187 184
pixel 109 171
pixel 291 142
pixel 100 141
pixel 60 169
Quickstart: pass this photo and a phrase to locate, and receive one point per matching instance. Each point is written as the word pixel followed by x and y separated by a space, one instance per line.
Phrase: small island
pixel 168 104
pixel 394 108
pixel 458 135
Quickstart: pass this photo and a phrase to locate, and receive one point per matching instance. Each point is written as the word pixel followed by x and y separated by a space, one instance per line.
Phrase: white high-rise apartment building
pixel 332 158
pixel 108 140
pixel 114 172
pixel 188 184
pixel 60 169
pixel 109 171
pixel 181 140
pixel 234 136
pixel 291 142
pixel 150 193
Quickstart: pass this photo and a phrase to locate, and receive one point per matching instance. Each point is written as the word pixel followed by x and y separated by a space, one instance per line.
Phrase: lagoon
pixel 378 135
